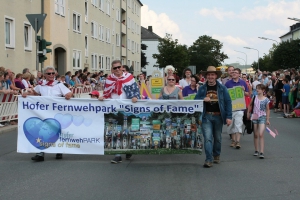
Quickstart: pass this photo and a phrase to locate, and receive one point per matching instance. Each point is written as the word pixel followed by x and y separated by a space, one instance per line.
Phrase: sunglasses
pixel 118 67
pixel 170 79
pixel 50 73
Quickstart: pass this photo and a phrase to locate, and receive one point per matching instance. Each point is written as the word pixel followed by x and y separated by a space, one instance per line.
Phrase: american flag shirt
pixel 260 106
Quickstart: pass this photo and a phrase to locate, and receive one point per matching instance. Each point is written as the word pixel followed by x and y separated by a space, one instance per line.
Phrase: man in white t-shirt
pixel 50 87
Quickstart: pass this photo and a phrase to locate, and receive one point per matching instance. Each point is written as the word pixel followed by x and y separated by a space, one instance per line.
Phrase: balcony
pixel 123 6
pixel 123 51
pixel 123 29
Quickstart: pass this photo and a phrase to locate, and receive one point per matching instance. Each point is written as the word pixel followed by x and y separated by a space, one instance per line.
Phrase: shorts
pixel 260 120
pixel 236 125
pixel 285 100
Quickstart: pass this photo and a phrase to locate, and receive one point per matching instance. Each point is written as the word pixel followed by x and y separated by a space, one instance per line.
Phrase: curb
pixel 8 128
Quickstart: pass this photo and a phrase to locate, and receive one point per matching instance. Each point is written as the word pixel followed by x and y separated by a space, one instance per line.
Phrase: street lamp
pixel 245 63
pixel 257 57
pixel 243 53
pixel 295 19
pixel 264 38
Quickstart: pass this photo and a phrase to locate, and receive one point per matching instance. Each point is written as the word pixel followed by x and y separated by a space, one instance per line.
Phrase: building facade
pixel 150 39
pixel 84 33
pixel 293 34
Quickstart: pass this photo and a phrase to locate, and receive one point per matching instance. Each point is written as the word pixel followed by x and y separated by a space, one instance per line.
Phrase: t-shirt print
pixel 213 95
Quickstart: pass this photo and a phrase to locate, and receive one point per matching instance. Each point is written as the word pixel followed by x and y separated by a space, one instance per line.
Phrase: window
pixel 86 11
pixel 112 4
pixel 60 7
pixel 107 63
pixel 132 25
pixel 101 62
pixel 113 26
pixel 113 52
pixel 128 3
pixel 101 32
pixel 128 22
pixel 132 6
pixel 94 3
pixel 108 7
pixel 101 5
pixel 132 46
pixel 107 35
pixel 86 46
pixel 27 37
pixel 76 58
pixel 94 29
pixel 94 61
pixel 9 32
pixel 76 22
pixel 128 44
pixel 118 15
pixel 118 39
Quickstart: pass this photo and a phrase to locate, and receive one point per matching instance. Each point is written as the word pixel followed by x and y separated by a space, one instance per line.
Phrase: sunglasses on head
pixel 50 73
pixel 118 67
pixel 171 79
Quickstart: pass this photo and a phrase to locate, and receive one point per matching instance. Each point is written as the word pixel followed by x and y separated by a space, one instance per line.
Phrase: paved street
pixel 239 176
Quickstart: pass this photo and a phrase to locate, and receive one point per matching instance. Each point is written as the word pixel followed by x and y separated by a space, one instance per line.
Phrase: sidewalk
pixel 8 128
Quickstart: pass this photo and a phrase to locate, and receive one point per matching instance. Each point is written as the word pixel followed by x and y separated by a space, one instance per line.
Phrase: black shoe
pixel 261 156
pixel 58 156
pixel 37 158
pixel 117 159
pixel 128 156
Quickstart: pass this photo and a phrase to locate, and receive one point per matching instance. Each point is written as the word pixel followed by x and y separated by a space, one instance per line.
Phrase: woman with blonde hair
pixel 169 71
pixel 26 77
pixel 170 91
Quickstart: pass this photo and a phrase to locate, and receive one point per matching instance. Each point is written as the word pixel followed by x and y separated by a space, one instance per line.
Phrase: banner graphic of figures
pixel 89 126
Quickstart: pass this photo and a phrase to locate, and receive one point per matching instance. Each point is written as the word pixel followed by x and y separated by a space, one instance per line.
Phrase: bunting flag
pixel 271 132
pixel 145 94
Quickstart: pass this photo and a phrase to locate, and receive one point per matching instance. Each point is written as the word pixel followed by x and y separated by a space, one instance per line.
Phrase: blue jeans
pixel 212 130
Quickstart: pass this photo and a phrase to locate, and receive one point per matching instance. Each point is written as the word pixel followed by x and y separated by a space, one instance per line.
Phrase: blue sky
pixel 235 23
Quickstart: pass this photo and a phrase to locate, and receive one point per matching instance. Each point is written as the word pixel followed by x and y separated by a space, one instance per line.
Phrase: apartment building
pixel 84 33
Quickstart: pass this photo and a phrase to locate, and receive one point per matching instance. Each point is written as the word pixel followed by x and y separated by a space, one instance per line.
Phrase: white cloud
pixel 275 12
pixel 161 24
pixel 275 33
pixel 216 12
pixel 230 40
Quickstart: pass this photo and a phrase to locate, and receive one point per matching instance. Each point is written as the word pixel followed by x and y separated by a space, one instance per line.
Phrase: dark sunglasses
pixel 118 67
pixel 171 79
pixel 50 73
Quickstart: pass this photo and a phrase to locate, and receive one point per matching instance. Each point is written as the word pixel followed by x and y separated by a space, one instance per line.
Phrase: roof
pixel 294 28
pixel 146 34
pixel 140 2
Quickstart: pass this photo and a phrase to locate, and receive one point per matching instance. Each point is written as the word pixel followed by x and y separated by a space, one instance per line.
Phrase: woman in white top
pixel 25 80
pixel 254 84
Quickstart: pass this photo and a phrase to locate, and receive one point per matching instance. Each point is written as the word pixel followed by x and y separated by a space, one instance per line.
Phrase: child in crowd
pixel 285 96
pixel 296 110
pixel 260 118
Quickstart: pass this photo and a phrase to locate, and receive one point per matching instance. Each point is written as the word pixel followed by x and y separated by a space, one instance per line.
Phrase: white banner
pixel 76 126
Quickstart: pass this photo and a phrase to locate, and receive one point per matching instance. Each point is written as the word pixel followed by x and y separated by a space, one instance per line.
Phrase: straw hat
pixel 212 69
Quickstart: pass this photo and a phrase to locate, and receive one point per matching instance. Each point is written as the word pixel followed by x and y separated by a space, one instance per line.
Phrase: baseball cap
pixel 95 93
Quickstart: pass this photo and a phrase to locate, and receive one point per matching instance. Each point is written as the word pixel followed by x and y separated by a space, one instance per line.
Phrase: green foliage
pixel 286 55
pixel 172 53
pixel 206 51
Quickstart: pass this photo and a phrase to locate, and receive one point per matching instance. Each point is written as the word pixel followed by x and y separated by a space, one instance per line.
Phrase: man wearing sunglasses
pixel 50 87
pixel 120 85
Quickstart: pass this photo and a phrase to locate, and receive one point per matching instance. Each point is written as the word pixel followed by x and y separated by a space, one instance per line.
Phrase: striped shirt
pixel 260 106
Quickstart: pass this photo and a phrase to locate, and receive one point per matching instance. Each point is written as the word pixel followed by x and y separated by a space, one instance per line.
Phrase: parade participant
pixel 235 129
pixel 192 88
pixel 170 91
pixel 169 70
pixel 187 73
pixel 229 77
pixel 217 110
pixel 142 79
pixel 254 84
pixel 260 118
pixel 120 85
pixel 50 87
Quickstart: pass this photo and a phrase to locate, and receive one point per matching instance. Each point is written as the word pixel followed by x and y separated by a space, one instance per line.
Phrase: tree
pixel 206 51
pixel 172 53
pixel 286 55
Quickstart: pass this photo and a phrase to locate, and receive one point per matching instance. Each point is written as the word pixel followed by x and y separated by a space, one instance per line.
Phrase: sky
pixel 235 23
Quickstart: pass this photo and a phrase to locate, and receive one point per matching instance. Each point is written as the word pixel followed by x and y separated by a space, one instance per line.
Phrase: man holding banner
pixel 53 88
pixel 217 110
pixel 236 128
pixel 120 85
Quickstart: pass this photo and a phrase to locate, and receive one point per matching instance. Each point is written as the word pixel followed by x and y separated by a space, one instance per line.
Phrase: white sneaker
pixel 1 125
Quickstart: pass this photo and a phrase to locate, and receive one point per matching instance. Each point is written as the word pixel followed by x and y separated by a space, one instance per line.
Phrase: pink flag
pixel 271 132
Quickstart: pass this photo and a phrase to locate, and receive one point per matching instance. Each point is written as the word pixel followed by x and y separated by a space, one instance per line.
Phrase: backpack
pixel 247 122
